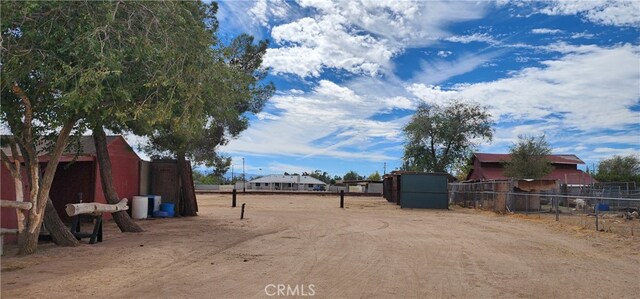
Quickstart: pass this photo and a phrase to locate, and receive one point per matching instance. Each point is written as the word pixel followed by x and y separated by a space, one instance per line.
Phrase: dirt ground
pixel 307 245
pixel 610 222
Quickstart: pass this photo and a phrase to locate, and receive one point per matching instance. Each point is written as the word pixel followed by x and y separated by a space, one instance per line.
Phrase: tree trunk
pixel 187 195
pixel 39 195
pixel 122 219
pixel 28 238
pixel 60 234
pixel 28 242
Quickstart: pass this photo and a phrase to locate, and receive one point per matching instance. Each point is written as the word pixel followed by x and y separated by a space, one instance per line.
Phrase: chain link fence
pixel 601 207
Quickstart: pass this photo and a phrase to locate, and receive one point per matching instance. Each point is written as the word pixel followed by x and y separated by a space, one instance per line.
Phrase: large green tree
pixel 351 176
pixel 161 47
pixel 619 169
pixel 374 176
pixel 529 158
pixel 439 138
pixel 43 97
pixel 69 66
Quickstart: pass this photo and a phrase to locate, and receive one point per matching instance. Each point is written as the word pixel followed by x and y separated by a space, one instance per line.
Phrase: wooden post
pixel 342 199
pixel 242 212
pixel 22 205
pixel 597 210
pixel 556 204
pixel 233 198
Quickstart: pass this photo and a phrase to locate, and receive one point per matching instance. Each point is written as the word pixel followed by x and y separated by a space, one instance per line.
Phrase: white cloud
pixel 360 37
pixel 400 103
pixel 600 153
pixel 444 54
pixel 301 61
pixel 439 70
pixel 476 37
pixel 570 93
pixel 296 91
pixel 608 138
pixel 582 35
pixel 234 15
pixel 267 116
pixel 331 120
pixel 432 94
pixel 310 45
pixel 616 151
pixel 607 12
pixel 409 23
pixel 578 96
pixel 546 31
pixel 268 10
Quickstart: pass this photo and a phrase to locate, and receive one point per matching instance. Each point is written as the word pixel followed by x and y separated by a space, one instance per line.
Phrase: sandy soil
pixel 370 249
pixel 608 222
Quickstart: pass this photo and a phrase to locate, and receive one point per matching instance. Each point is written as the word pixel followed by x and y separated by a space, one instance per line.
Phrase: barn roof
pixel 565 176
pixel 87 147
pixel 294 179
pixel 554 159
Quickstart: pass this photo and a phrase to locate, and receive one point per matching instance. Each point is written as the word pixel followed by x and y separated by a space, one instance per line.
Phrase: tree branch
pixel 8 163
pixel 52 165
pixel 28 113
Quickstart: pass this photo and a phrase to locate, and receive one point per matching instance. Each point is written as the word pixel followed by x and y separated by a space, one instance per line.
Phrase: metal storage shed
pixel 424 191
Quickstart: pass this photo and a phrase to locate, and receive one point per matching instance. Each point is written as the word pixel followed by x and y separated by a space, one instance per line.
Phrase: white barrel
pixel 157 200
pixel 139 207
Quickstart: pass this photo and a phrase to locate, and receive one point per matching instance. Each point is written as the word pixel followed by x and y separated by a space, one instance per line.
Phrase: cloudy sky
pixel 350 74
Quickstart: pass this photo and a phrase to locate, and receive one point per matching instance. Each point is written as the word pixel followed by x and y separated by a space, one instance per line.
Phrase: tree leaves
pixel 529 158
pixel 619 169
pixel 441 137
pixel 217 95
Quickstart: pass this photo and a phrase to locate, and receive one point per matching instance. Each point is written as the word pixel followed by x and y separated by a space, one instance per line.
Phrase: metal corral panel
pixel 424 191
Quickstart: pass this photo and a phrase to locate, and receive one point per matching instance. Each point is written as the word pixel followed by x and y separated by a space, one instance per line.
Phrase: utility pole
pixel 244 178
pixel 385 169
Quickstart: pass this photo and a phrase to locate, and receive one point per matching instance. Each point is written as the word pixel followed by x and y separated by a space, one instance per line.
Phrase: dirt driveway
pixel 308 246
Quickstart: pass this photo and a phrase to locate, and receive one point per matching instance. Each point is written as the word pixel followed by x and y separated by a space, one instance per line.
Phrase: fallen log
pixel 23 205
pixel 94 208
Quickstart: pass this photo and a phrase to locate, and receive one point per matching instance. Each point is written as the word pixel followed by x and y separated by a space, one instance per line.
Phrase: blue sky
pixel 349 75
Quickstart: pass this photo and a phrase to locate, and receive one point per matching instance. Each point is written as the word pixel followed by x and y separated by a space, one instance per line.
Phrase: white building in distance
pixel 287 183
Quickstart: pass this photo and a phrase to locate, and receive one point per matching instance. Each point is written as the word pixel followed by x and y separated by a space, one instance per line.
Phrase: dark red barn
pixel 80 178
pixel 565 168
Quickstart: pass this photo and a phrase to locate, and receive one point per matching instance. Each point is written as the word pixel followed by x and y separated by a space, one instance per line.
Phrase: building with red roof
pixel 487 167
pixel 78 177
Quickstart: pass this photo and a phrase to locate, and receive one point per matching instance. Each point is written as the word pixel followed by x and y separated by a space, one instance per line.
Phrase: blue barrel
pixel 168 207
pixel 160 214
pixel 603 207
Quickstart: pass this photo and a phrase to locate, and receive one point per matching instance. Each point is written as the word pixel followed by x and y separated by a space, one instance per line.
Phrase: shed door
pixel 165 181
pixel 424 191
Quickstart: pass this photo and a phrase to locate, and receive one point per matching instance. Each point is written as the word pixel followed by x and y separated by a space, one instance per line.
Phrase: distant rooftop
pixel 554 159
pixel 87 147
